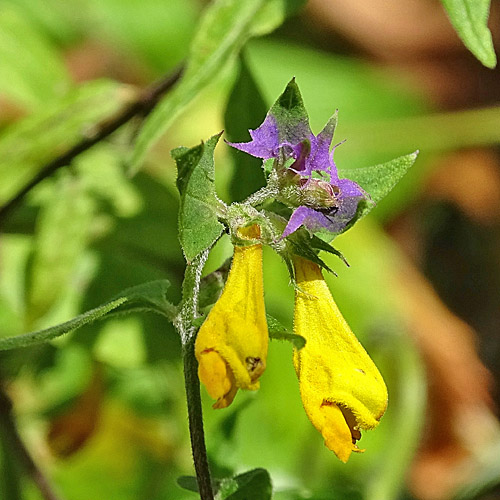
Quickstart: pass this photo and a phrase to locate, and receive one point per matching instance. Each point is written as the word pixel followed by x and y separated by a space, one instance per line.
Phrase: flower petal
pixel 333 368
pixel 231 346
pixel 336 432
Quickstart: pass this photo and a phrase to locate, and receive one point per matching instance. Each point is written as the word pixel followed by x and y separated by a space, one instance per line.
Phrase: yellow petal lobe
pixel 336 432
pixel 341 388
pixel 236 328
pixel 217 378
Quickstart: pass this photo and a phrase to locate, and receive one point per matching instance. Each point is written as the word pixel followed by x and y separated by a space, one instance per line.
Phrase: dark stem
pixel 143 105
pixel 195 415
pixel 188 312
pixel 14 442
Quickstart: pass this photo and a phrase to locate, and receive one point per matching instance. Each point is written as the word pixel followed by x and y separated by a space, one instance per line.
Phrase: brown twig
pixel 14 442
pixel 143 105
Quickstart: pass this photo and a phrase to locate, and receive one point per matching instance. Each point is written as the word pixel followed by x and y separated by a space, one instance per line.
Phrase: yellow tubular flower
pixel 231 347
pixel 341 389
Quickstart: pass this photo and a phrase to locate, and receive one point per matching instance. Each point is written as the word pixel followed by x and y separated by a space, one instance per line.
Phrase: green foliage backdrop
pixel 89 214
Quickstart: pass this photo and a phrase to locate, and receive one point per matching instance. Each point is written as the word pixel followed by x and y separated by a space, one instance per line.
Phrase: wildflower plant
pixel 307 201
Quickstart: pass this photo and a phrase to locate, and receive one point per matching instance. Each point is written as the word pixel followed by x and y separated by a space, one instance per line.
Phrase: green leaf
pixel 30 143
pixel 225 27
pixel 55 18
pixel 198 222
pixel 188 483
pixel 32 72
pixel 470 18
pixel 56 331
pixel 138 248
pixel 377 181
pixel 302 243
pixel 246 109
pixel 254 484
pixel 150 295
pixel 170 26
pixel 279 332
pixel 273 13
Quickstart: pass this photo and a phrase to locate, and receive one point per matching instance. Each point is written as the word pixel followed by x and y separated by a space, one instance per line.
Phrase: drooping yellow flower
pixel 231 347
pixel 341 388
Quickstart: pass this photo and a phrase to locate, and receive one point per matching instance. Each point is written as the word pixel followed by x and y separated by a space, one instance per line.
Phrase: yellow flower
pixel 231 347
pixel 341 389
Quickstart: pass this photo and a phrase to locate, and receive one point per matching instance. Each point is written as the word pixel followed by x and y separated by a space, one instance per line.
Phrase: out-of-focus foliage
pixel 34 71
pixel 245 110
pixel 221 34
pixel 28 144
pixel 470 19
pixel 112 392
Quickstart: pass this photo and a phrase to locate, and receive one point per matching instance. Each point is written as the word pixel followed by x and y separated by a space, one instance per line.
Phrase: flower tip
pixel 342 449
pixel 337 432
pixel 226 400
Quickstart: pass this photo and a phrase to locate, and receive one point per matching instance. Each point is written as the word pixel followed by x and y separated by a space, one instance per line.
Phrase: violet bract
pixel 309 181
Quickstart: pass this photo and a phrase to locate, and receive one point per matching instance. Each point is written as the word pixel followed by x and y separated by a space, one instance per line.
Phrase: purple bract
pixel 285 136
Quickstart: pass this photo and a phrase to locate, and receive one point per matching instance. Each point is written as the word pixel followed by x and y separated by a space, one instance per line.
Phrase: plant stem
pixel 188 308
pixel 195 415
pixel 264 193
pixel 17 447
pixel 188 312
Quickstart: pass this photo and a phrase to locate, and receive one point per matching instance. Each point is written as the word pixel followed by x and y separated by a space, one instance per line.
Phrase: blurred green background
pixel 102 411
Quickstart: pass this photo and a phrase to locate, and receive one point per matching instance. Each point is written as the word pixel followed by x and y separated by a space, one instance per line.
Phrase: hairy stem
pixel 188 312
pixel 263 194
pixel 188 309
pixel 141 106
pixel 195 415
pixel 14 442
